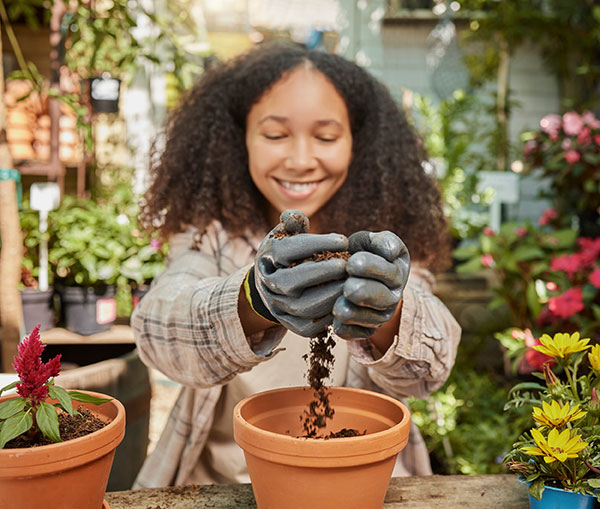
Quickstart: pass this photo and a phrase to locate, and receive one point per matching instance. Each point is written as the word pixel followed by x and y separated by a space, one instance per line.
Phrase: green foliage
pixel 566 31
pixel 451 131
pixel 464 425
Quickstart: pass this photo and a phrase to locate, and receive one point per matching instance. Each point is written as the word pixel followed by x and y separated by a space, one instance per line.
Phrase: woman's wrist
pixel 384 335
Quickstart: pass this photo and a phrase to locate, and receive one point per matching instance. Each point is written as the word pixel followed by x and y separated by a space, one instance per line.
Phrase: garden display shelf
pixel 117 334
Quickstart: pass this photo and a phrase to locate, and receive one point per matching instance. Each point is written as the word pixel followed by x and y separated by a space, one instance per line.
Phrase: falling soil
pixel 70 427
pixel 320 360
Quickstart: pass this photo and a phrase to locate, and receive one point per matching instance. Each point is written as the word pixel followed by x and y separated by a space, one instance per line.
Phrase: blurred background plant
pixel 566 150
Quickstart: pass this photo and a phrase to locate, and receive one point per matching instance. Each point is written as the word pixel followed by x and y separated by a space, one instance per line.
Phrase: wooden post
pixel 11 312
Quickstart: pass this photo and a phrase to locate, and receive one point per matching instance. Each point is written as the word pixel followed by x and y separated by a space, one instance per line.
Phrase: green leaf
pixel 526 253
pixel 536 488
pixel 460 253
pixel 87 398
pixel 526 385
pixel 8 387
pixel 63 397
pixel 533 300
pixel 473 265
pixel 47 420
pixel 11 407
pixel 15 426
pixel 594 483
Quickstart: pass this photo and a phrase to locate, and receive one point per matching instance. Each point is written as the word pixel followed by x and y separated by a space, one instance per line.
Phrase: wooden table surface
pixel 437 491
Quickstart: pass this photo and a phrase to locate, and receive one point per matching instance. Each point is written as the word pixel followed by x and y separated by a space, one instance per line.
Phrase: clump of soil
pixel 70 427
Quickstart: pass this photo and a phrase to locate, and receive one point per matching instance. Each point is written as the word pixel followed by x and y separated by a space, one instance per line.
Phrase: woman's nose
pixel 300 156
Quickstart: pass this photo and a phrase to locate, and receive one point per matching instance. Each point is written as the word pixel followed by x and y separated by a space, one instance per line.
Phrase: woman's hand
pixel 378 270
pixel 299 296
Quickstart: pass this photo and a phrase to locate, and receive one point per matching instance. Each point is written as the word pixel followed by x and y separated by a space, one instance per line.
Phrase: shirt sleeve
pixel 423 352
pixel 187 326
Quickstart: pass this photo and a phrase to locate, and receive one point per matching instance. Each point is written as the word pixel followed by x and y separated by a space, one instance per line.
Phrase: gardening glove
pixel 378 270
pixel 299 296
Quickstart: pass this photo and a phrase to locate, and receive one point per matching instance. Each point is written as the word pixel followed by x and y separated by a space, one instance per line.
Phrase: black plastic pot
pixel 88 310
pixel 38 308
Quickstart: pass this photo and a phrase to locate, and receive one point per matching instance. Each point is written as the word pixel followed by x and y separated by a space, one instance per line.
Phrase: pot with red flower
pixel 55 445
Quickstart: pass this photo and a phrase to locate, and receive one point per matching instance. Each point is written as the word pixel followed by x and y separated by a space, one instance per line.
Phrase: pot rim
pixel 354 450
pixel 70 453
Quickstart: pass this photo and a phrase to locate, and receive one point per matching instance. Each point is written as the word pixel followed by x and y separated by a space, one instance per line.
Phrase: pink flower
pixel 571 264
pixel 487 260
pixel 530 147
pixel 547 216
pixel 590 250
pixel 33 373
pixel 584 137
pixel 520 231
pixel 550 125
pixel 597 139
pixel 567 304
pixel 533 360
pixel 488 231
pixel 551 286
pixel 572 123
pixel 155 244
pixel 595 278
pixel 566 144
pixel 590 120
pixel 572 156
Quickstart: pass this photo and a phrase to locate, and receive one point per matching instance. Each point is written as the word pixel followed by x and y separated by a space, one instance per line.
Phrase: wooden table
pixel 437 491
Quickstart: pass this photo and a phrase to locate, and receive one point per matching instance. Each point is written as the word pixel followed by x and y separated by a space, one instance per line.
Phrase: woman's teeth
pixel 298 187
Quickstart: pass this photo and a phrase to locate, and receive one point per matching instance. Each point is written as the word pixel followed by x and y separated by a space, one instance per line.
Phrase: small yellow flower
pixel 558 446
pixel 555 415
pixel 594 357
pixel 562 344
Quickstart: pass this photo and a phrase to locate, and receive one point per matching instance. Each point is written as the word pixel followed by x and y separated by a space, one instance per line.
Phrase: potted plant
pixel 89 244
pixel 559 457
pixel 50 450
pixel 38 305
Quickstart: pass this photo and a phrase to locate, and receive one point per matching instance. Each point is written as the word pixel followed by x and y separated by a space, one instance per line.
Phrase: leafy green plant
pixel 30 413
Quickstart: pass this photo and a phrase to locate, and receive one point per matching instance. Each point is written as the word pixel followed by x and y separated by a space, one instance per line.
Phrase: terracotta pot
pixel 288 472
pixel 73 473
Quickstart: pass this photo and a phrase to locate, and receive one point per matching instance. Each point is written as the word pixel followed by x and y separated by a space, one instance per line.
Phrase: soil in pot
pixel 70 427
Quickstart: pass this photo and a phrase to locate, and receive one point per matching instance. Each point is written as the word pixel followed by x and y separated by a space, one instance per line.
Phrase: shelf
pixel 117 334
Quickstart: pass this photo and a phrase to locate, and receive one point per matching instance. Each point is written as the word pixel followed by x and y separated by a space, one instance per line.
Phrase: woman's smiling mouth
pixel 298 190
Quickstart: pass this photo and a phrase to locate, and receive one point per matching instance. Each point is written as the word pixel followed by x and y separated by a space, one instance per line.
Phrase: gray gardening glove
pixel 378 270
pixel 301 297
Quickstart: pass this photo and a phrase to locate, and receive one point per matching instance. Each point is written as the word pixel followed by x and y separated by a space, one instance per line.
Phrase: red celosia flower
pixel 567 304
pixel 590 250
pixel 571 264
pixel 33 373
pixel 595 278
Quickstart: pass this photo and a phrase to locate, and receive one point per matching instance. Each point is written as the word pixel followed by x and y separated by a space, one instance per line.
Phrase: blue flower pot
pixel 556 498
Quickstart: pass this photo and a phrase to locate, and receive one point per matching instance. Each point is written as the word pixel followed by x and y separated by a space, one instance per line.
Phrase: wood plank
pixel 449 492
pixel 117 334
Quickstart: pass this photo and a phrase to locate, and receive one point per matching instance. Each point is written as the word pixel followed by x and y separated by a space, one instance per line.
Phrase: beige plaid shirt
pixel 188 327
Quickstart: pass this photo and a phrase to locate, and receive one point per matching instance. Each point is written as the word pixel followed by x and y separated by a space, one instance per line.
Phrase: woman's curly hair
pixel 202 175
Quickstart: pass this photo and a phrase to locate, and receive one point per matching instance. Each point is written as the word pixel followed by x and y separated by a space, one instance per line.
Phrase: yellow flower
pixel 562 344
pixel 558 446
pixel 594 357
pixel 555 415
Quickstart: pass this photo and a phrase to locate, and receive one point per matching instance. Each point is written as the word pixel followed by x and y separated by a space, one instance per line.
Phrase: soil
pixel 70 427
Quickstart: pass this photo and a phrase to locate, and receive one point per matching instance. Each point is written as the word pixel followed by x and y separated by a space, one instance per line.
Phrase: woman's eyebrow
pixel 276 118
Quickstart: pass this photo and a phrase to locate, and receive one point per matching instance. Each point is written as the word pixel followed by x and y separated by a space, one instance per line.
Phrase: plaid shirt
pixel 188 327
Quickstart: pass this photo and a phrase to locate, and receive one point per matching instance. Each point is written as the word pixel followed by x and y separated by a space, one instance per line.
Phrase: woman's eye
pixel 274 136
pixel 326 138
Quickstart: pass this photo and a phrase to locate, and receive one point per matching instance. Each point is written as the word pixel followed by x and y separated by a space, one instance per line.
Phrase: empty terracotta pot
pixel 288 472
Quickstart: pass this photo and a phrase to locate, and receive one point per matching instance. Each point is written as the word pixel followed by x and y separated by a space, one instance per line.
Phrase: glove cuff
pixel 253 298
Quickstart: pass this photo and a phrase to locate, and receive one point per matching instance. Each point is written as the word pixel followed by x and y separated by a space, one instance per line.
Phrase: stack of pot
pixel 28 126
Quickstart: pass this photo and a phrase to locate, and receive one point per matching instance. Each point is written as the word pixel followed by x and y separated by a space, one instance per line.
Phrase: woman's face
pixel 299 142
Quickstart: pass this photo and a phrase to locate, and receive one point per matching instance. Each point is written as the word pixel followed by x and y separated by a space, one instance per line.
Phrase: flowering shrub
pixel 562 450
pixel 29 412
pixel 567 150
pixel 549 280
